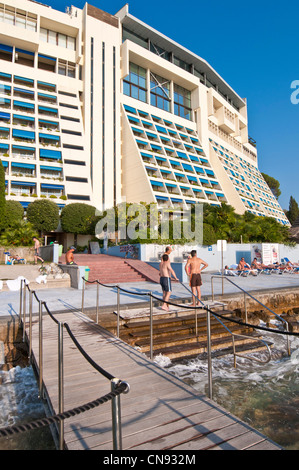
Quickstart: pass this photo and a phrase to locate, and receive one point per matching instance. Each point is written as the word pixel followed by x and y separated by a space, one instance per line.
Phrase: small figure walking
pixel 36 250
pixel 165 273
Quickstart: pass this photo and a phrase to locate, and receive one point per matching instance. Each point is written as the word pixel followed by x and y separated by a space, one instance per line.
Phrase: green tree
pixel 293 212
pixel 209 235
pixel 273 184
pixel 19 233
pixel 2 196
pixel 44 215
pixel 223 219
pixel 78 218
pixel 14 212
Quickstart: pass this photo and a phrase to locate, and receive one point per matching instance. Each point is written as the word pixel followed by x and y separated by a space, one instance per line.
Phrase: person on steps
pixel 165 273
pixel 193 269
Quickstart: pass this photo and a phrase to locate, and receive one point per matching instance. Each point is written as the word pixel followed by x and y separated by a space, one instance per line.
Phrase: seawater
pixel 19 404
pixel 265 396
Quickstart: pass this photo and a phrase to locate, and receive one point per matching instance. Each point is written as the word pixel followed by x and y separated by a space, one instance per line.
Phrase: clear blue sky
pixel 254 47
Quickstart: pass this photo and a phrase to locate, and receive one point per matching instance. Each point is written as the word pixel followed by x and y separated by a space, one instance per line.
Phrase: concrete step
pixel 111 269
pixel 222 346
pixel 113 265
pixel 182 335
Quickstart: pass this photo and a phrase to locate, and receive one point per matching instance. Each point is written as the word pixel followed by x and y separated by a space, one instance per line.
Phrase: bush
pixel 43 214
pixel 19 234
pixel 14 212
pixel 78 218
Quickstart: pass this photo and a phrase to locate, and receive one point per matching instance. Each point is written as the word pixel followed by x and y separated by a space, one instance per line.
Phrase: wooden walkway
pixel 160 412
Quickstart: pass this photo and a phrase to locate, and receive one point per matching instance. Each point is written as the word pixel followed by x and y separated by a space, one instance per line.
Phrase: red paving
pixel 112 269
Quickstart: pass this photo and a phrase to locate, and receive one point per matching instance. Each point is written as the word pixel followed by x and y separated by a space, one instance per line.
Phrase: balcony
pixel 49 139
pixel 226 120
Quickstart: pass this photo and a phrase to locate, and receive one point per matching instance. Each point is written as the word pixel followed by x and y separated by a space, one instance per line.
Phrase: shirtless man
pixel 243 266
pixel 36 250
pixel 69 257
pixel 193 268
pixel 165 273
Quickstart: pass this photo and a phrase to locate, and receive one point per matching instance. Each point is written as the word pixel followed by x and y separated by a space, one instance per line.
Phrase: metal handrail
pixel 151 297
pixel 256 300
pixel 115 382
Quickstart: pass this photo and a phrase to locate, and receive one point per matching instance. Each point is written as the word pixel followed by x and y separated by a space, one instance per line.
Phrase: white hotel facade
pixel 98 108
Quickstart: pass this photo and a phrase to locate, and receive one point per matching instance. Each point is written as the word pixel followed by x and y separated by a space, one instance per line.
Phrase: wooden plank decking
pixel 160 412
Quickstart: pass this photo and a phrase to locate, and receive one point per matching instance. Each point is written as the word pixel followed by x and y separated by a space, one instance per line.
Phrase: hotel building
pixel 98 108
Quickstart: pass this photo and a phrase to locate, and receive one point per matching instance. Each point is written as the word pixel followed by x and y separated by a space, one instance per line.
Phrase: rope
pixel 202 307
pixel 225 318
pixel 10 430
pixel 87 357
pixel 115 287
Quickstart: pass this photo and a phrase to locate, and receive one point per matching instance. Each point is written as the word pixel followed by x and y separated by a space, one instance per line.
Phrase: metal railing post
pixel 116 418
pixel 30 323
pixel 234 352
pixel 210 380
pixel 83 292
pixel 118 310
pixel 40 339
pixel 21 302
pixel 60 383
pixel 24 310
pixel 97 303
pixel 245 308
pixel 288 340
pixel 151 326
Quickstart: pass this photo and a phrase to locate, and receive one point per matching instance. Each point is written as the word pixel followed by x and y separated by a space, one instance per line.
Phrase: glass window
pixel 71 70
pixel 31 23
pixel 182 64
pixel 182 102
pixel 134 38
pixel 51 37
pixel 71 43
pixel 159 51
pixel 134 84
pixel 21 20
pixel 9 17
pixel 62 67
pixel 43 34
pixel 61 40
pixel 160 92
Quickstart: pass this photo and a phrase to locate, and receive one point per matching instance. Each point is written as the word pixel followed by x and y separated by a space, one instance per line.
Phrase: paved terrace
pixel 64 298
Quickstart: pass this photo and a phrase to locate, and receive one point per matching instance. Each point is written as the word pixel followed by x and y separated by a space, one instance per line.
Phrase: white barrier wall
pixel 210 254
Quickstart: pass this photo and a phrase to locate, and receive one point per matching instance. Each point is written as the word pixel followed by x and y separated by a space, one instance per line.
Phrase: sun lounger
pixel 13 259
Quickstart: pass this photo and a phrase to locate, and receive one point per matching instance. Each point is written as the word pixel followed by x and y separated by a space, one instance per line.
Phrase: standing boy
pixel 166 272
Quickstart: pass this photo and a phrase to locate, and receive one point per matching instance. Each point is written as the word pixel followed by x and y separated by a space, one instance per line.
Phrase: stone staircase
pixel 174 335
pixel 112 269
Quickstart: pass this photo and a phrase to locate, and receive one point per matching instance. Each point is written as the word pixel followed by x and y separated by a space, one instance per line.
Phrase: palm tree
pixel 19 234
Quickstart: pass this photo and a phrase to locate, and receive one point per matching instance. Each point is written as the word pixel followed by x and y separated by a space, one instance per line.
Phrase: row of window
pixel 244 189
pixel 136 86
pixel 17 17
pixel 57 39
pixel 26 169
pixel 149 45
pixel 26 20
pixel 44 62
